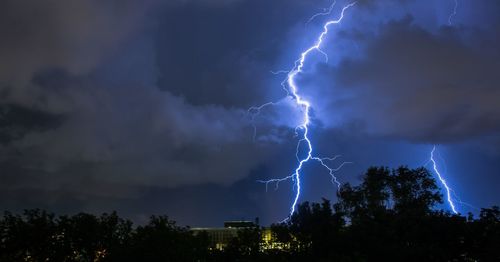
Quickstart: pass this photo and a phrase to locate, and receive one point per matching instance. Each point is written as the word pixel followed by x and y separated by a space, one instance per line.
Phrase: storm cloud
pixel 106 104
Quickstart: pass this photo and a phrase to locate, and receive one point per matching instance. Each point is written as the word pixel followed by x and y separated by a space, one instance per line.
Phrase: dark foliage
pixel 390 216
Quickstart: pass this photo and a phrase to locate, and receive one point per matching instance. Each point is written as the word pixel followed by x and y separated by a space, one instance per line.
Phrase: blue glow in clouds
pixel 305 150
pixel 292 89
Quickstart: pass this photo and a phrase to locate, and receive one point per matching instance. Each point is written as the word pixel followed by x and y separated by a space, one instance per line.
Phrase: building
pixel 220 237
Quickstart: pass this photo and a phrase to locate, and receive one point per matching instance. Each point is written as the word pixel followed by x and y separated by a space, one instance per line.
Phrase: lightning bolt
pixel 292 89
pixel 443 182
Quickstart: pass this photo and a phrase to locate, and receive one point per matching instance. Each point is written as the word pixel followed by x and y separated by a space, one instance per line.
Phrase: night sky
pixel 141 106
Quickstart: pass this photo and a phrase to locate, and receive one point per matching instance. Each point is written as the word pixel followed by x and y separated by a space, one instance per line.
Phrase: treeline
pixel 390 216
pixel 40 236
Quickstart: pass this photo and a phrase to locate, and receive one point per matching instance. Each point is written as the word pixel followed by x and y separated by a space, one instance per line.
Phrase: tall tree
pixel 414 191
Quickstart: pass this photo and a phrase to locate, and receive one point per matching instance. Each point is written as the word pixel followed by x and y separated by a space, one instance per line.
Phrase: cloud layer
pixel 409 83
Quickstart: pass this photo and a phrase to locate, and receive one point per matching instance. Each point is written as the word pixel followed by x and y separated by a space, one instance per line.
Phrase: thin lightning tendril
pixel 326 11
pixel 291 88
pixel 254 111
pixel 453 14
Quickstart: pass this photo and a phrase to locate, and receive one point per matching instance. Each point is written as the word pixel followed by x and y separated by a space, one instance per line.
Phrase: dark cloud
pixel 225 55
pixel 422 86
pixel 16 121
pixel 74 35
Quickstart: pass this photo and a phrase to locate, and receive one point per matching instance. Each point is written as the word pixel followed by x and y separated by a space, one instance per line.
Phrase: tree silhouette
pixel 414 191
pixel 389 216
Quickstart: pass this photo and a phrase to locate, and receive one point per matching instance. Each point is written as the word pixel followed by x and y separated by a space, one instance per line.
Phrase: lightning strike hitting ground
pixel 443 182
pixel 449 191
pixel 292 90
